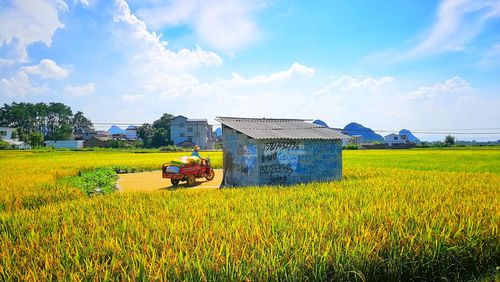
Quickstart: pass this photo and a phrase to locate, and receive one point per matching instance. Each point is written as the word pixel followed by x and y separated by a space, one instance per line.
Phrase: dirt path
pixel 152 181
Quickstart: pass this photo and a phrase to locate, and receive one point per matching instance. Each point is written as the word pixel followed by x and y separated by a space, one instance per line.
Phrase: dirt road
pixel 152 181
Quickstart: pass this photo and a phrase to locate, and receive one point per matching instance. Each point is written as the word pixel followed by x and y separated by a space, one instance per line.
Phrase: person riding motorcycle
pixel 195 152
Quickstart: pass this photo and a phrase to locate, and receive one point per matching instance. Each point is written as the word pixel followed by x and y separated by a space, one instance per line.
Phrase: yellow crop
pixel 397 215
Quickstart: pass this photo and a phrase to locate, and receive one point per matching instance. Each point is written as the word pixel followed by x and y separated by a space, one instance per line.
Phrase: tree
pixel 117 144
pixel 62 132
pixel 81 124
pixel 14 134
pixel 58 122
pixel 35 139
pixel 164 122
pixel 449 140
pixel 55 121
pixel 4 145
pixel 22 135
pixel 159 138
pixel 157 134
pixel 145 132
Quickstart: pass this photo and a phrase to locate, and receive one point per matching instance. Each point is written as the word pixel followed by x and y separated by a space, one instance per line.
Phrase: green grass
pixel 96 182
pixel 397 215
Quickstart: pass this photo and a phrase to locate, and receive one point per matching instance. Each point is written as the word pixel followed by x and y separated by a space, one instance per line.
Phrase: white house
pixel 191 131
pixel 393 139
pixel 6 135
pixel 354 140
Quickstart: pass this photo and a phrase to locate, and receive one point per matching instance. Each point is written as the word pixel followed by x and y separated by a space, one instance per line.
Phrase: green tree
pixel 81 124
pixel 159 138
pixel 14 134
pixel 54 120
pixel 58 122
pixel 145 133
pixel 164 123
pixel 157 134
pixel 117 144
pixel 449 140
pixel 4 145
pixel 35 139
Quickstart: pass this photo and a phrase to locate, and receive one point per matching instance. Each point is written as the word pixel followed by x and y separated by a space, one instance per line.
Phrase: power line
pixel 423 132
pixel 459 129
pixel 119 123
pixel 456 131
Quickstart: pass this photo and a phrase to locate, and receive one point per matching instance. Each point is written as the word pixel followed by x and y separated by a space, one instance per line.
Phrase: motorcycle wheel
pixel 210 175
pixel 191 180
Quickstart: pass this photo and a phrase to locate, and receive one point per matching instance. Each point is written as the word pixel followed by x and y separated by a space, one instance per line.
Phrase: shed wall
pixel 240 161
pixel 279 162
pixel 69 144
pixel 299 161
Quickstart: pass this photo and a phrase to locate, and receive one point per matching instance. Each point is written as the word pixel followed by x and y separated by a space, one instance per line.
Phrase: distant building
pixel 86 135
pixel 191 131
pixel 279 151
pixel 131 132
pixel 103 142
pixel 355 140
pixel 67 144
pixel 6 135
pixel 395 139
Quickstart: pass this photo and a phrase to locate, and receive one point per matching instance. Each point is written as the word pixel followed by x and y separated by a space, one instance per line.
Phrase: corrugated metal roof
pixel 273 128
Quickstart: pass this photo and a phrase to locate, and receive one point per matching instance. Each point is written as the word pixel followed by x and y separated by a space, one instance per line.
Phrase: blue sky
pixel 421 65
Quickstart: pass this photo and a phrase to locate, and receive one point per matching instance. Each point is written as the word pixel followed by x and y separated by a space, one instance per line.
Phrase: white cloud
pixel 148 54
pixel 186 86
pixel 132 97
pixel 6 62
pixel 349 84
pixel 153 69
pixel 178 12
pixel 240 84
pixel 85 3
pixel 455 85
pixel 20 85
pixel 47 69
pixel 227 25
pixel 147 47
pixel 491 57
pixel 457 23
pixel 28 22
pixel 296 70
pixel 82 90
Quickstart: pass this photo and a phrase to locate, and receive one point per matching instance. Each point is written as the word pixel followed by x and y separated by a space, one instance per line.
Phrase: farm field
pixel 396 215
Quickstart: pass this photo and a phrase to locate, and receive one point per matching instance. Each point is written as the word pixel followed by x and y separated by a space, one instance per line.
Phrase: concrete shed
pixel 279 151
pixel 67 144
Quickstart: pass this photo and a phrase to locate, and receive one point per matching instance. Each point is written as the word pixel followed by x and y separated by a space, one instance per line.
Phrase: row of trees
pixel 38 122
pixel 157 134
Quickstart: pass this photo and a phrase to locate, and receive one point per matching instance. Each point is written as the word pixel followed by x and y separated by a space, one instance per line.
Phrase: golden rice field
pixel 396 215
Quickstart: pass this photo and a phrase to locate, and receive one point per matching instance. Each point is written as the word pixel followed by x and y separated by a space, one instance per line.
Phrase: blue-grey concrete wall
pixel 299 161
pixel 240 161
pixel 279 162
